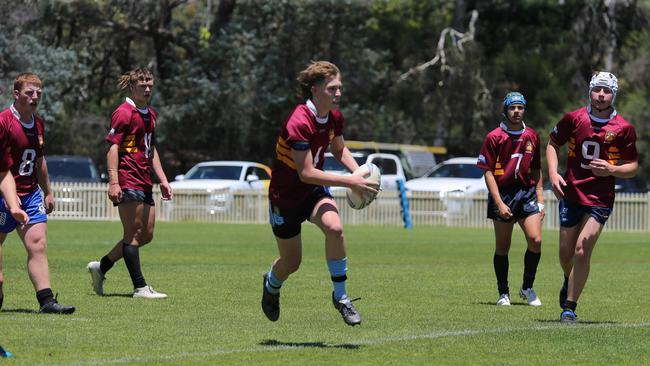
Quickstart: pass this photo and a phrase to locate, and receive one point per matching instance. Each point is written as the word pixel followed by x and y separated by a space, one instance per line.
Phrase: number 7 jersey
pixel 614 141
pixel 24 145
pixel 511 156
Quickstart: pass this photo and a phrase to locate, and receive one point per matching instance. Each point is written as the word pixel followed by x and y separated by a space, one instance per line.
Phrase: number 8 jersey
pixel 613 140
pixel 24 146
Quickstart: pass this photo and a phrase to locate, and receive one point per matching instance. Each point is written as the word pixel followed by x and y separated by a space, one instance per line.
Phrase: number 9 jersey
pixel 613 140
pixel 24 145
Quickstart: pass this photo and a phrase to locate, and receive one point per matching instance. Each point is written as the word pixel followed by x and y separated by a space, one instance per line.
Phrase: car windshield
pixel 70 170
pixel 231 172
pixel 331 164
pixel 457 171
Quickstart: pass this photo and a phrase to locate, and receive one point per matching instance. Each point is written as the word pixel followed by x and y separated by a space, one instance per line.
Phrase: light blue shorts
pixel 31 203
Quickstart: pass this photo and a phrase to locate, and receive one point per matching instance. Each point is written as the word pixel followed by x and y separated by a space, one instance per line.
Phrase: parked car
pixel 632 185
pixel 456 174
pixel 220 178
pixel 71 202
pixel 72 168
pixel 389 165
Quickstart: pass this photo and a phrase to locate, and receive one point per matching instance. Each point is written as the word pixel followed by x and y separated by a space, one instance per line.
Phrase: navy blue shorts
pixel 33 206
pixel 521 200
pixel 135 195
pixel 571 213
pixel 286 222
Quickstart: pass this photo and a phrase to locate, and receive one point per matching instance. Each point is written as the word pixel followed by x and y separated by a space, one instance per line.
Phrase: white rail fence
pixel 88 201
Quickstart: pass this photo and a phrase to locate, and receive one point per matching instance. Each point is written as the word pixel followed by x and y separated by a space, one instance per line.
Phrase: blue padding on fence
pixel 406 214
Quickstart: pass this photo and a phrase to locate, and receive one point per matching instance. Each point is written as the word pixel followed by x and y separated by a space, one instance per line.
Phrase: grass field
pixel 427 299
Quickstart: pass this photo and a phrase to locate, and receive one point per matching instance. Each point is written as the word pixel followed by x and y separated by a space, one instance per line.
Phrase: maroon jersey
pixel 5 131
pixel 300 131
pixel 133 131
pixel 612 140
pixel 511 156
pixel 24 145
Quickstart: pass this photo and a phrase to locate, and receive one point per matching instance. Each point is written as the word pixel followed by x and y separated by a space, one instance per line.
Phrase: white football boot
pixel 97 276
pixel 530 296
pixel 147 292
pixel 504 300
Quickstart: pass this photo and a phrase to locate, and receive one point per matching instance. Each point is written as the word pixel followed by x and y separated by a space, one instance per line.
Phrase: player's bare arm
pixel 165 188
pixel 342 154
pixel 114 189
pixel 308 173
pixel 8 190
pixel 602 168
pixel 493 188
pixel 557 182
pixel 44 182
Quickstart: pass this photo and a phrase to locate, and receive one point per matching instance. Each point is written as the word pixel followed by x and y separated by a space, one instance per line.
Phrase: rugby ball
pixel 371 172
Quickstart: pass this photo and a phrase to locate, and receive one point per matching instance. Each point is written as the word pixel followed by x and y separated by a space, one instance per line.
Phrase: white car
pixel 220 178
pixel 453 175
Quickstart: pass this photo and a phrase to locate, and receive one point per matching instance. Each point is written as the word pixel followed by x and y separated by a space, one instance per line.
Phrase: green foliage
pixel 226 69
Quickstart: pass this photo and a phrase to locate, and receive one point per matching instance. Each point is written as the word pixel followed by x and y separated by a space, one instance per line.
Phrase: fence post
pixel 406 214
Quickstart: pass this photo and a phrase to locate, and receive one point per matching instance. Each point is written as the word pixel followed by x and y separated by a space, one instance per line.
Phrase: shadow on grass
pixel 276 343
pixel 21 311
pixel 580 321
pixel 495 304
pixel 118 295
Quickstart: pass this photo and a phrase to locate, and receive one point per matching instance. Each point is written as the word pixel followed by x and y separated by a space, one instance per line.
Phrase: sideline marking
pixel 378 341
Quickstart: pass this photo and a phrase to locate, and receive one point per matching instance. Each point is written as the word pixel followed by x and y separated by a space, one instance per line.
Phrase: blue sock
pixel 273 283
pixel 338 270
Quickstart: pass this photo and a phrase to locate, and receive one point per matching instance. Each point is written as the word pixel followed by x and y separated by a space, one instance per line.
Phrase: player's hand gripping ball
pixel 358 201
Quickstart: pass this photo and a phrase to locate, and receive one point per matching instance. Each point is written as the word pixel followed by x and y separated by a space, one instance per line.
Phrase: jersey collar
pixel 504 126
pixel 598 119
pixel 16 114
pixel 314 111
pixel 132 103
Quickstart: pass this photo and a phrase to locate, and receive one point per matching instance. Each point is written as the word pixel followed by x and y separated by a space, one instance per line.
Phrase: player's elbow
pixel 628 170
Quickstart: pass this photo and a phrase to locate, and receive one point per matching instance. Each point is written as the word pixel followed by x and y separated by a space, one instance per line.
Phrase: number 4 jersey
pixel 613 140
pixel 24 145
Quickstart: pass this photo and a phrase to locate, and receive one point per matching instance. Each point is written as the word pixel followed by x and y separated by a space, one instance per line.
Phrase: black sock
pixel 131 255
pixel 570 305
pixel 531 260
pixel 105 264
pixel 45 296
pixel 566 282
pixel 501 265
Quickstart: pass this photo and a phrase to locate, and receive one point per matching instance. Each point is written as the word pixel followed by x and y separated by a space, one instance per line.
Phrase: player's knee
pixel 581 254
pixel 293 265
pixel 38 247
pixel 145 238
pixel 334 231
pixel 566 256
pixel 535 244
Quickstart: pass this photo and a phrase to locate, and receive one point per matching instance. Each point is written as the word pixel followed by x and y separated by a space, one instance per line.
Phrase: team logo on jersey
pixel 554 132
pixel 481 159
pixel 112 131
pixel 529 147
pixel 610 136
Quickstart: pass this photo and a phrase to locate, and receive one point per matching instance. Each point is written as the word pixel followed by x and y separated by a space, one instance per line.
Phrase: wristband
pixel 541 206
